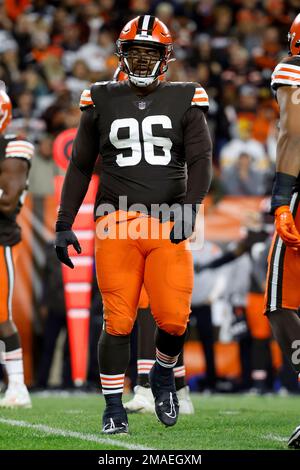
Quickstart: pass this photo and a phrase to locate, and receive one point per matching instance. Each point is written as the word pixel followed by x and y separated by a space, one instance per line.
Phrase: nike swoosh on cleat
pixel 172 413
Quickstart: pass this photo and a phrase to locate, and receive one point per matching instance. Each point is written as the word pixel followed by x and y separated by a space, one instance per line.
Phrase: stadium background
pixel 50 51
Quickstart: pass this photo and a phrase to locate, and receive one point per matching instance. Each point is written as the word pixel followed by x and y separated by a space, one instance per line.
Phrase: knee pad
pixel 7 328
pixel 173 328
pixel 119 326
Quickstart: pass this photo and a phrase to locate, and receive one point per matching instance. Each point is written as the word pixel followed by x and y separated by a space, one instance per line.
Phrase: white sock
pixel 169 362
pixel 112 383
pixel 144 366
pixel 14 367
pixel 179 372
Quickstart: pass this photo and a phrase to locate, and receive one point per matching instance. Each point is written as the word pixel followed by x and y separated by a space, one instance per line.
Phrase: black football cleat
pixel 294 440
pixel 114 421
pixel 165 398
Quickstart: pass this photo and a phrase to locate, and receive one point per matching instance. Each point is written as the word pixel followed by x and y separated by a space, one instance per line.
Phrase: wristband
pixel 62 226
pixel 282 190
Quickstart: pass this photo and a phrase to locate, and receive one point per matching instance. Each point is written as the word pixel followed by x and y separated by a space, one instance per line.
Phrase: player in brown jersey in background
pixel 282 296
pixel 15 157
pixel 156 149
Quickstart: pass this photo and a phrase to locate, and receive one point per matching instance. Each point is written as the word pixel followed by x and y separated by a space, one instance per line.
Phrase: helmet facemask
pixel 5 108
pixel 143 62
pixel 292 45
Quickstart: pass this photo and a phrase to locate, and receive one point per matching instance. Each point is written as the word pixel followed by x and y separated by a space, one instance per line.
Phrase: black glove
pixel 184 218
pixel 63 239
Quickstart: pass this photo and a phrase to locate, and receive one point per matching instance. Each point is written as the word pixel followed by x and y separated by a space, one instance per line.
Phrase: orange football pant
pixel 123 265
pixel 8 257
pixel 258 324
pixel 282 289
pixel 144 299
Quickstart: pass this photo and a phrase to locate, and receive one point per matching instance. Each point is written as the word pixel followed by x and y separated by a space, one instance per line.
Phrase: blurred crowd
pixel 51 50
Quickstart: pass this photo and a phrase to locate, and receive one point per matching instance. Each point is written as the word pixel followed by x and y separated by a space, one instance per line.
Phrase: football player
pixel 156 149
pixel 142 401
pixel 15 158
pixel 282 296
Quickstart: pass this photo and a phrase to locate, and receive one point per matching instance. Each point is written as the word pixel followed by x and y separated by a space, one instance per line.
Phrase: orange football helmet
pixel 147 32
pixel 5 108
pixel 294 37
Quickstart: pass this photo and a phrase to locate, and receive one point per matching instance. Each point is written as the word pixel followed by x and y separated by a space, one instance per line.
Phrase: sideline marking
pixel 73 434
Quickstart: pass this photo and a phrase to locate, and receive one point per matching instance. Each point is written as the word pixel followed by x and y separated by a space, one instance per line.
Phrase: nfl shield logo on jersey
pixel 142 105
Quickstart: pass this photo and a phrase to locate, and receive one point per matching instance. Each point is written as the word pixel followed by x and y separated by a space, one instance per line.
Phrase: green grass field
pixel 221 422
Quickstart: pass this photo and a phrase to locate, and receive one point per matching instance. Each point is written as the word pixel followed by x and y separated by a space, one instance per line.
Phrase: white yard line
pixel 275 437
pixel 73 412
pixel 73 434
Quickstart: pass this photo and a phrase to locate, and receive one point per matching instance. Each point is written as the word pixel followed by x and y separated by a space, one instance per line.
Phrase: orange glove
pixel 286 228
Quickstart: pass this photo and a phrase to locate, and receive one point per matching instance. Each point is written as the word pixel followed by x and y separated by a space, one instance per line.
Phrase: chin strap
pixel 142 81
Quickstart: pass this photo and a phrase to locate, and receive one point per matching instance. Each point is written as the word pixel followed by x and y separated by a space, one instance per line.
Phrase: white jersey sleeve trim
pixel 286 74
pixel 200 98
pixel 19 149
pixel 86 99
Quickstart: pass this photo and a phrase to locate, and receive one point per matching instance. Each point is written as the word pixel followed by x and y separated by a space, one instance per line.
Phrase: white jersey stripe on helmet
pixel 145 24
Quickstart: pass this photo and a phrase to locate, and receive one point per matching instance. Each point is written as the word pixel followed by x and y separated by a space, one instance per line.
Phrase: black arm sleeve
pixel 84 154
pixel 244 246
pixel 220 261
pixel 198 154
